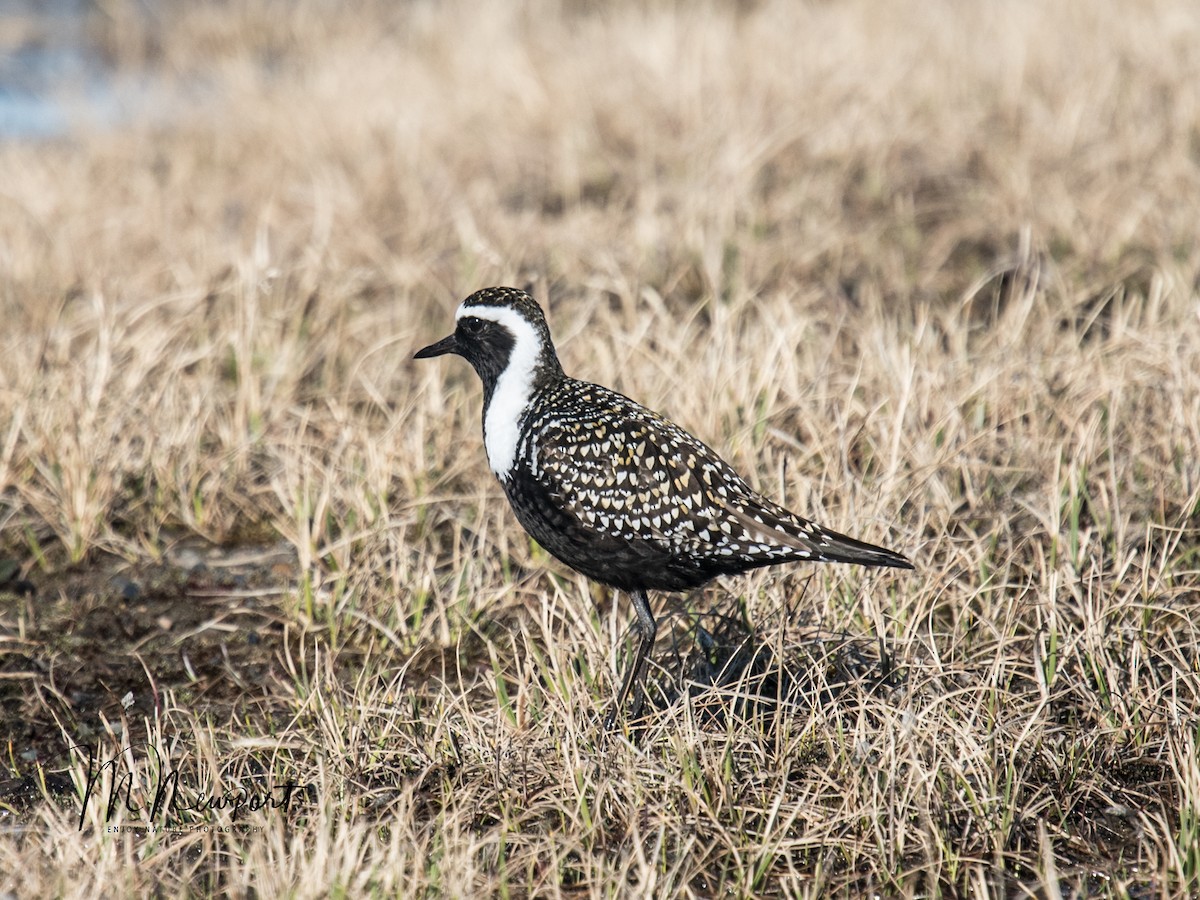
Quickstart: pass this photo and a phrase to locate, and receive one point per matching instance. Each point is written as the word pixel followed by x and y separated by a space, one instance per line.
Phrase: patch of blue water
pixel 52 81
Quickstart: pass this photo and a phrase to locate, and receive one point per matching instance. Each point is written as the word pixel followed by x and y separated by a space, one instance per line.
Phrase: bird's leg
pixel 649 630
pixel 635 672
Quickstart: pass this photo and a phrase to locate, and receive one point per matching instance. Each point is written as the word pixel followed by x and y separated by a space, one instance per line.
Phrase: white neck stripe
pixel 510 398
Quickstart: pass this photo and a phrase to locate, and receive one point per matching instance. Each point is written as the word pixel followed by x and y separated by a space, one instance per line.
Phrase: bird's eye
pixel 471 325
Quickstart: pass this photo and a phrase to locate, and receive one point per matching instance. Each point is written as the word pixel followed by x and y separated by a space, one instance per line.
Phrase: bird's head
pixel 499 330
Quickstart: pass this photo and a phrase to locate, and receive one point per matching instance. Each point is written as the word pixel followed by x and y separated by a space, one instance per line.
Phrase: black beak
pixel 445 345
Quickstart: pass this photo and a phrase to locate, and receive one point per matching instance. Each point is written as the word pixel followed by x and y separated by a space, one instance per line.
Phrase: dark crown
pixel 517 300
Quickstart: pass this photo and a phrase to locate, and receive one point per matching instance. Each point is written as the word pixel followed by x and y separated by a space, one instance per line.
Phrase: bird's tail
pixel 774 524
pixel 834 547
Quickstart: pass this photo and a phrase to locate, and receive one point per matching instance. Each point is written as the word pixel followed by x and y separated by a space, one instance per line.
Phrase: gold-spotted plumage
pixel 613 489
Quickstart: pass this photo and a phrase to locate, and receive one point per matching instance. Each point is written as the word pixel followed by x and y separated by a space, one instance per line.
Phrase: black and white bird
pixel 613 489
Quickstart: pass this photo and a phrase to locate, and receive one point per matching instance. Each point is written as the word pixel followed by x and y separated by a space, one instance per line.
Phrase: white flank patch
pixel 501 421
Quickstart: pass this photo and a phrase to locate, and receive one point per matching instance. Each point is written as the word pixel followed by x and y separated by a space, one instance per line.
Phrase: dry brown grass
pixel 928 274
